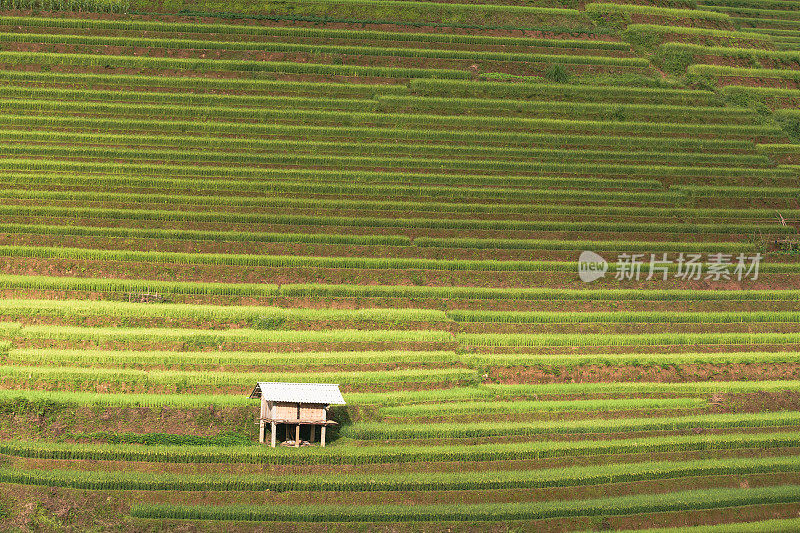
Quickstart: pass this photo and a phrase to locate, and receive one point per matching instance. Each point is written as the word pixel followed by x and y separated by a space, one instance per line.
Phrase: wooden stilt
pixel 285 415
pixel 261 425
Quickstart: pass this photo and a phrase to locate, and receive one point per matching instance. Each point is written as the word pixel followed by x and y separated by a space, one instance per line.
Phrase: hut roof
pixel 275 391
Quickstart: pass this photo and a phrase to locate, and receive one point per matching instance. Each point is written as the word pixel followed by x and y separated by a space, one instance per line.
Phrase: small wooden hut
pixel 294 405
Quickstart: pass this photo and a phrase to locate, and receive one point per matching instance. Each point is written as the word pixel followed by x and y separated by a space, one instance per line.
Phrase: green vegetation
pixel 254 316
pixel 633 359
pixel 621 317
pixel 677 501
pixel 207 337
pixel 516 407
pixel 621 15
pixel 376 431
pixel 199 359
pixel 320 49
pixel 778 526
pixel 650 36
pixel 677 57
pixel 394 196
pixel 221 29
pixel 120 61
pixel 657 339
pixel 560 477
pixel 392 11
pixel 185 380
pixel 377 454
pixel 567 92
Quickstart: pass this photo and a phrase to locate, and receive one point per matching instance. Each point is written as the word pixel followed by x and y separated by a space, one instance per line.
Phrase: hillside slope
pixel 395 196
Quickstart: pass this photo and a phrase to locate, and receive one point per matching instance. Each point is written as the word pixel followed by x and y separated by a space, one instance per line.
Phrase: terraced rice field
pixel 393 196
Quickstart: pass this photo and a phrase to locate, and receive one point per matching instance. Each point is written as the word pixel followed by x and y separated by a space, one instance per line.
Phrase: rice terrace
pixel 400 265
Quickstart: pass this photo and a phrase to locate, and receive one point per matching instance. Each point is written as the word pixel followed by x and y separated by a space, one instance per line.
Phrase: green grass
pixel 762 4
pixel 136 286
pixel 335 118
pixel 763 24
pixel 530 396
pixel 589 151
pixel 567 109
pixel 650 36
pixel 11 399
pixel 738 191
pixel 198 359
pixel 320 49
pixel 450 409
pixel 224 149
pixel 551 162
pixel 250 135
pixel 340 454
pixel 484 480
pixel 270 261
pixel 621 15
pixel 546 294
pixel 212 65
pixel 628 192
pixel 74 203
pixel 79 377
pixel 557 92
pixel 342 223
pixel 634 359
pixel 642 317
pixel 641 503
pixel 207 86
pixel 236 30
pixel 772 96
pixel 710 75
pixel 630 246
pixel 393 177
pixel 428 242
pixel 380 264
pixel 338 163
pixel 760 13
pixel 644 339
pixel 101 6
pixel 638 388
pixel 677 57
pixel 292 261
pixel 205 235
pixel 383 431
pixel 386 11
pixel 257 317
pixel 208 337
pixel 787 525
pixel 227 106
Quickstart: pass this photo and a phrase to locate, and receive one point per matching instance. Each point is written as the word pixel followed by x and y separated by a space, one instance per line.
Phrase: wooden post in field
pixel 322 437
pixel 297 436
pixel 262 426
pixel 274 431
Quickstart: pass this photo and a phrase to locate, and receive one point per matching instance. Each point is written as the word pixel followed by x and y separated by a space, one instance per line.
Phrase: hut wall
pixel 312 411
pixel 285 411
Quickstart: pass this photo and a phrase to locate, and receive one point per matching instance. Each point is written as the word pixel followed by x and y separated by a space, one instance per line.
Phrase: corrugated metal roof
pixel 275 391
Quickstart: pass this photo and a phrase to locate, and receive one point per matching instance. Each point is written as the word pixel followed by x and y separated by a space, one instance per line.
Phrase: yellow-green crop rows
pixel 395 196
